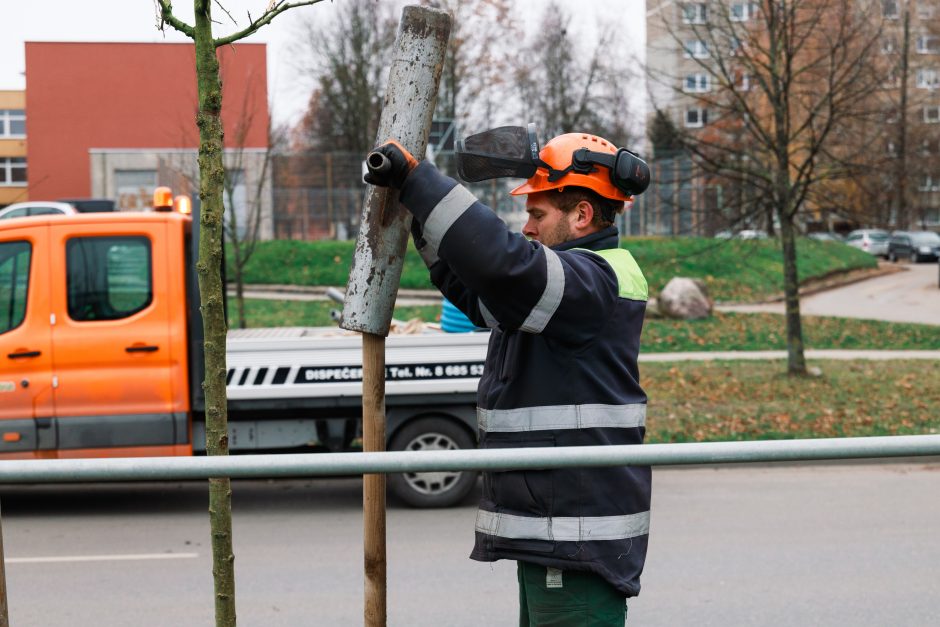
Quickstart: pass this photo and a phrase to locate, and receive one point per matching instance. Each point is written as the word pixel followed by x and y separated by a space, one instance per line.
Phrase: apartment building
pixel 686 39
pixel 13 180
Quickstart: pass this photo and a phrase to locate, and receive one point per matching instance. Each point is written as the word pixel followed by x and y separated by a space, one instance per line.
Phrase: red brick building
pixel 114 120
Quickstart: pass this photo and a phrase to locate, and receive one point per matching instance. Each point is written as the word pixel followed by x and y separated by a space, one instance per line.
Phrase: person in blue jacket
pixel 565 304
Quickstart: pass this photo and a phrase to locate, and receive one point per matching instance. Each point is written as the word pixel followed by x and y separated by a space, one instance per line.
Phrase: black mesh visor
pixel 505 152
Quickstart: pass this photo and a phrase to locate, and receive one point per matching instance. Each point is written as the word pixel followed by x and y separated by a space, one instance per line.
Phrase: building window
pixel 12 170
pixel 697 83
pixel 889 9
pixel 742 11
pixel 694 13
pixel 742 81
pixel 925 9
pixel 735 46
pixel 926 78
pixel 889 45
pixel 932 114
pixel 235 199
pixel 135 189
pixel 696 117
pixel 892 80
pixel 928 44
pixel 696 49
pixel 929 183
pixel 12 123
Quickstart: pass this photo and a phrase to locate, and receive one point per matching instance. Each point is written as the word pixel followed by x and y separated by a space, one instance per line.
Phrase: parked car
pixel 751 234
pixel 873 241
pixel 914 246
pixel 825 236
pixel 36 208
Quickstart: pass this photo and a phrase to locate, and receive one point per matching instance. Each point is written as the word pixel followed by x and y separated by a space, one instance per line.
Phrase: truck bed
pixel 325 363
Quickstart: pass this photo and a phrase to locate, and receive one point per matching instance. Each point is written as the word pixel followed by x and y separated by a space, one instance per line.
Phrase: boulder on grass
pixel 685 299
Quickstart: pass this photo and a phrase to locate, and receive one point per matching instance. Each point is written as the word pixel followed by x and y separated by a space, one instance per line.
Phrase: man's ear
pixel 585 215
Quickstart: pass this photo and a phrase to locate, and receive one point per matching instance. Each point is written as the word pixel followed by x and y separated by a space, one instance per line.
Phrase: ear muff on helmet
pixel 628 172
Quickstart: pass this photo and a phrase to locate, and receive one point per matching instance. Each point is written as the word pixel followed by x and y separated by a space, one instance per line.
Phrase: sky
pixel 135 21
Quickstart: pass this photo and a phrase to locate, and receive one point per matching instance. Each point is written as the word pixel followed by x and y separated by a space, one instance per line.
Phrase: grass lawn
pixel 746 400
pixel 734 270
pixel 720 401
pixel 724 331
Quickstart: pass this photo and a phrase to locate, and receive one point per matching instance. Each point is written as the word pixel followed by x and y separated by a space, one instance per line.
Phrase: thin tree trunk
pixel 901 218
pixel 212 294
pixel 240 297
pixel 796 361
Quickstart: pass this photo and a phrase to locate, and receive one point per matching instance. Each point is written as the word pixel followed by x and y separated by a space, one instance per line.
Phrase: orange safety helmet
pixel 558 155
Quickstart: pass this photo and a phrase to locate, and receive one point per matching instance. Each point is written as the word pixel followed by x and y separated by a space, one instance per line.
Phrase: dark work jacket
pixel 561 370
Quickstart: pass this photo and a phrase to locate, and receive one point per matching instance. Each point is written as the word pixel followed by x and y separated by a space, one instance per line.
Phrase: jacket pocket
pixel 527 492
pixel 509 355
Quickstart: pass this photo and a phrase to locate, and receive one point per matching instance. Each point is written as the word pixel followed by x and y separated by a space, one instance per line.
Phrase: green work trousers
pixel 582 600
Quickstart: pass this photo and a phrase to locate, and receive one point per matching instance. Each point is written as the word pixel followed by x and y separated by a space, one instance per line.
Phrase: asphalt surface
pixel 909 296
pixel 785 545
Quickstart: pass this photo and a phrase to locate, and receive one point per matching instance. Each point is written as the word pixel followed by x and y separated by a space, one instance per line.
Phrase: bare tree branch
pixel 165 16
pixel 275 8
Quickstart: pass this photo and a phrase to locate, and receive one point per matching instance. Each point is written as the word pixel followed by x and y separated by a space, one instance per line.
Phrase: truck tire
pixel 431 489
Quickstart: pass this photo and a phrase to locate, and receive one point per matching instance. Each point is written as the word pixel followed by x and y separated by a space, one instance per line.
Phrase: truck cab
pixel 93 348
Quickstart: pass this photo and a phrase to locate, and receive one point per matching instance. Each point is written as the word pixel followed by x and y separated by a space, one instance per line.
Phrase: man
pixel 566 307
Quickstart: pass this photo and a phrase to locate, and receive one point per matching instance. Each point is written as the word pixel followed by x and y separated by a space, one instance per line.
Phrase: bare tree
pixel 566 86
pixel 347 60
pixel 211 290
pixel 476 80
pixel 244 198
pixel 773 85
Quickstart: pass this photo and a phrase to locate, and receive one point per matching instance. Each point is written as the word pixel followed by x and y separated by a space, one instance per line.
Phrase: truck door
pixel 25 351
pixel 113 357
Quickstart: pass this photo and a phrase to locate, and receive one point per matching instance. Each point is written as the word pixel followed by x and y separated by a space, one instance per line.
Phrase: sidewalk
pixel 875 355
pixel 406 297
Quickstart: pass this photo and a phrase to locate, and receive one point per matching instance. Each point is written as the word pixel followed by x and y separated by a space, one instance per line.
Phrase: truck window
pixel 14 283
pixel 108 278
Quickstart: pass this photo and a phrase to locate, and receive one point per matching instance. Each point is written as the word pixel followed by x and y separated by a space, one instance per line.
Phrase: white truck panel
pixel 327 362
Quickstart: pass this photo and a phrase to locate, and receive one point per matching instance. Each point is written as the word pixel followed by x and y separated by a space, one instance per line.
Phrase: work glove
pixel 393 169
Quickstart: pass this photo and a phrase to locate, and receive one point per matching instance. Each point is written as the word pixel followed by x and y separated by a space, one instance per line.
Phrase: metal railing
pixel 332 464
pixel 318 464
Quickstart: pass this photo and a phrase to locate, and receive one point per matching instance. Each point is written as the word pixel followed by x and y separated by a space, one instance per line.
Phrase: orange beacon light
pixel 163 199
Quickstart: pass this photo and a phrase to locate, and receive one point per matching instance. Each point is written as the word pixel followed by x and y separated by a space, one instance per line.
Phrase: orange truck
pixel 101 356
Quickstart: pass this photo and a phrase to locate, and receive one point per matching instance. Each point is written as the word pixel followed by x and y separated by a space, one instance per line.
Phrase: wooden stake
pixel 414 77
pixel 373 486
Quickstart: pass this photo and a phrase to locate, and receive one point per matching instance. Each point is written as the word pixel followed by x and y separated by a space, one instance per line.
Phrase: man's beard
pixel 560 234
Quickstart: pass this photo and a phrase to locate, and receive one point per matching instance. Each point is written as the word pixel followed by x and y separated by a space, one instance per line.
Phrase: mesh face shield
pixel 504 152
pixel 513 152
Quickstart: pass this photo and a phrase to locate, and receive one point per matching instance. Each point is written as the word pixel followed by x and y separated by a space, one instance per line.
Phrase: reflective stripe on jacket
pixel 561 370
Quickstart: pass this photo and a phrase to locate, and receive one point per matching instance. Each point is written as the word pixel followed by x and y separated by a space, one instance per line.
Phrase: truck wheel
pixel 431 489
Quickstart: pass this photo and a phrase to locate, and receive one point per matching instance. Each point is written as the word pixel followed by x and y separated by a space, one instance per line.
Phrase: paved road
pixel 909 296
pixel 744 545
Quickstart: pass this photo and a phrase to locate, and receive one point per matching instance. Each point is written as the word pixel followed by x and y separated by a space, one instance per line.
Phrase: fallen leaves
pixel 709 401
